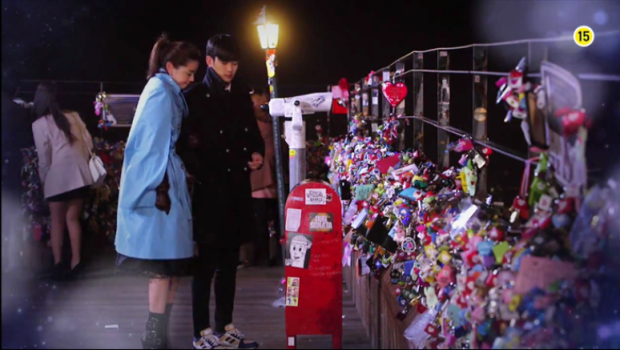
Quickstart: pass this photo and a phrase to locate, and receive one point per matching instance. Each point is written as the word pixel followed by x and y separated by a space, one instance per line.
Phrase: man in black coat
pixel 220 145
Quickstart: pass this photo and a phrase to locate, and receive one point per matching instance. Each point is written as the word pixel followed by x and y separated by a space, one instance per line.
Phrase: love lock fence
pixel 449 92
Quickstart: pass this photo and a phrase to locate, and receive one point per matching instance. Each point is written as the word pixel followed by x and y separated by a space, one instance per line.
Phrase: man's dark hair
pixel 224 47
pixel 260 91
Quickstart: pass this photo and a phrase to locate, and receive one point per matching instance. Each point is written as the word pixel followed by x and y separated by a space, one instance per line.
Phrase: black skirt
pixel 78 193
pixel 154 268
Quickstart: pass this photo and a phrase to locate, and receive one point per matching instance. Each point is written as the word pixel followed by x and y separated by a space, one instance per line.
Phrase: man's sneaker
pixel 233 339
pixel 207 340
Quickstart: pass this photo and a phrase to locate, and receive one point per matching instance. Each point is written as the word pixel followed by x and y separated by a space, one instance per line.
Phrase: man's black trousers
pixel 219 260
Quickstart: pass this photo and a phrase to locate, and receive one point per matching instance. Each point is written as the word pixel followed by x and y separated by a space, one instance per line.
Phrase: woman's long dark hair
pixel 179 53
pixel 45 103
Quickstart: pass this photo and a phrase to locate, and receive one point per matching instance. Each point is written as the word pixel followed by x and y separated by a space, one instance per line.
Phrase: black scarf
pixel 214 82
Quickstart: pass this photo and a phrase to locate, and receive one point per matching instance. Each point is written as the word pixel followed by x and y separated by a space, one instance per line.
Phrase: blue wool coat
pixel 143 231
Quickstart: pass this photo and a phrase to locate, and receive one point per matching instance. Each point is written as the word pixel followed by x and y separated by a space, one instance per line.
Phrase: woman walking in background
pixel 63 146
pixel 154 223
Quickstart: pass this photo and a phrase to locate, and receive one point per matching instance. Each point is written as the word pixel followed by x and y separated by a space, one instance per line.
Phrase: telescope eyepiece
pixel 297 103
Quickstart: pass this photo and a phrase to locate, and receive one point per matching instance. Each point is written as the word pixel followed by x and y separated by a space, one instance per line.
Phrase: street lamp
pixel 268 35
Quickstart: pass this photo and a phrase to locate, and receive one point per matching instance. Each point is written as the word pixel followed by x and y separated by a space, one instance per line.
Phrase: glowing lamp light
pixel 268 34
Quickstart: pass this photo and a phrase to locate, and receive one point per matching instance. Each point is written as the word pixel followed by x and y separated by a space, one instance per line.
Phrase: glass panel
pixel 443 109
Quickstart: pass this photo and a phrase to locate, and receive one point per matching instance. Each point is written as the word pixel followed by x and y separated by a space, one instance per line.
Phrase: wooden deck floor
pixel 74 315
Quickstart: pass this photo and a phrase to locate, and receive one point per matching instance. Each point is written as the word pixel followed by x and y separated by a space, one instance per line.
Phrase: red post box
pixel 313 259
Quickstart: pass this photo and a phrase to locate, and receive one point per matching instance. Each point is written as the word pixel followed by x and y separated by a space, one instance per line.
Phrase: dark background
pixel 320 42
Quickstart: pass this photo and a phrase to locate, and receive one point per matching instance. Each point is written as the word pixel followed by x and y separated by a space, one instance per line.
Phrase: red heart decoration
pixel 421 308
pixel 432 330
pixel 394 93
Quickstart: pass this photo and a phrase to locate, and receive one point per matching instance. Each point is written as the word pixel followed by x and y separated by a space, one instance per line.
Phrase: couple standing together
pixel 204 140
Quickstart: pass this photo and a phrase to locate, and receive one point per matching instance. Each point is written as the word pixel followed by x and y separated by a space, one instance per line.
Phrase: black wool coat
pixel 217 141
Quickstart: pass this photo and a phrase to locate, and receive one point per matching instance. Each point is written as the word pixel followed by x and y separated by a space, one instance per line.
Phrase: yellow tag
pixel 430 251
pixel 445 257
pixel 514 303
pixel 463 181
pixel 470 233
pixel 292 153
pixel 583 36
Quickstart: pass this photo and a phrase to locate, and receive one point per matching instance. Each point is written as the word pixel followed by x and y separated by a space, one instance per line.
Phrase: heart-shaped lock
pixel 445 276
pixel 496 234
pixel 545 202
pixel 565 206
pixel 394 93
pixel 432 330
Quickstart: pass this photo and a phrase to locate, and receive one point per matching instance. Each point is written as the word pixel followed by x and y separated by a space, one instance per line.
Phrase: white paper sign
pixel 293 219
pixel 365 268
pixel 386 75
pixel 316 196
pixel 350 212
pixel 359 220
pixel 415 333
pixel 403 170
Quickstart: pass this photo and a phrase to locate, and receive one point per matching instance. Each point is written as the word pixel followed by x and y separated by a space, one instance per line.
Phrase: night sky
pixel 320 41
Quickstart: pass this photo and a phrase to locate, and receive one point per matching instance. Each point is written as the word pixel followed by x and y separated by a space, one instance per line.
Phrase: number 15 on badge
pixel 584 36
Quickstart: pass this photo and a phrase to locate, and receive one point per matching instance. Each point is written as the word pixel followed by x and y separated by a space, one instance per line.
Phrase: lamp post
pixel 268 35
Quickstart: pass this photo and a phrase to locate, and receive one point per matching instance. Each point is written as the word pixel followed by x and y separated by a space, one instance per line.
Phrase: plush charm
pixel 520 206
pixel 470 179
pixel 463 145
pixel 537 190
pixel 445 276
pixel 572 120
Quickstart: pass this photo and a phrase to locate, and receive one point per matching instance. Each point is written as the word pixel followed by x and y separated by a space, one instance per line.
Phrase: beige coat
pixel 264 177
pixel 62 167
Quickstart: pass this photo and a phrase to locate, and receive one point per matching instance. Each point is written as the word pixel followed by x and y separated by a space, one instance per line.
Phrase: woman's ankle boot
pixel 154 336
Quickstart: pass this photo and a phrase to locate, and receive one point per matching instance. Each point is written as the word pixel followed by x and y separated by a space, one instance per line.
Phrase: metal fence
pixel 79 95
pixel 451 93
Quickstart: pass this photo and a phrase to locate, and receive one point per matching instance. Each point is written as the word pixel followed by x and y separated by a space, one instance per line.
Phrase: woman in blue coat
pixel 154 232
